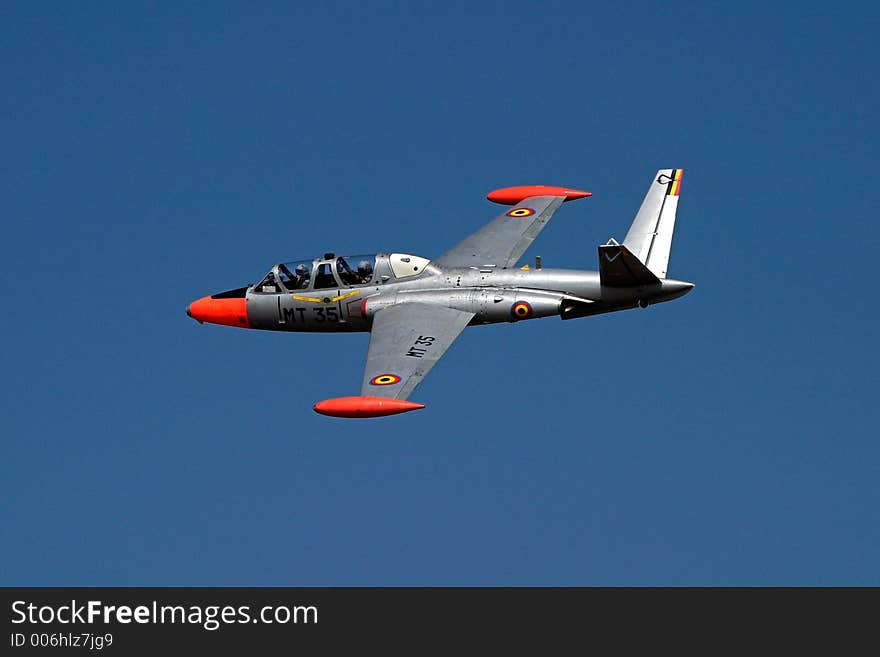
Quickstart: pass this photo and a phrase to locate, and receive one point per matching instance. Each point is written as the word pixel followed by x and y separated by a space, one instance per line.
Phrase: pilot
pixel 302 276
pixel 365 271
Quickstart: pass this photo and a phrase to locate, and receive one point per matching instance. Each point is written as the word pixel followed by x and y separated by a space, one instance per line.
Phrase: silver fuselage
pixel 493 295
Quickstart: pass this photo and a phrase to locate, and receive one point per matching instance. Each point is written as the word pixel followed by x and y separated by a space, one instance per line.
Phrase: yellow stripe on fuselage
pixel 328 299
pixel 346 295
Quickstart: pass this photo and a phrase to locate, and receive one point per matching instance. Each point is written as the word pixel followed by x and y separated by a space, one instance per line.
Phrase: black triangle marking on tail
pixel 618 267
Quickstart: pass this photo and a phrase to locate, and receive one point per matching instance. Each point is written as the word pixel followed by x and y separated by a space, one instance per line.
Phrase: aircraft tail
pixel 618 267
pixel 650 237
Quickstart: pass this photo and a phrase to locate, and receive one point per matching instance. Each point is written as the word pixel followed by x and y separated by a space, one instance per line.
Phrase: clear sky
pixel 153 154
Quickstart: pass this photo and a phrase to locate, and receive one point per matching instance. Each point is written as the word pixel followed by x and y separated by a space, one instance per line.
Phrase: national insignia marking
pixel 521 310
pixel 520 212
pixel 675 185
pixel 385 380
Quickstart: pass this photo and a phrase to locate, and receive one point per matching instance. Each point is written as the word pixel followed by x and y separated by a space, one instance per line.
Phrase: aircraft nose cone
pixel 229 312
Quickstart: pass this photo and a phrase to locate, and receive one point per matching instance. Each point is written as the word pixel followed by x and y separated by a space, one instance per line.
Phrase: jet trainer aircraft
pixel 415 308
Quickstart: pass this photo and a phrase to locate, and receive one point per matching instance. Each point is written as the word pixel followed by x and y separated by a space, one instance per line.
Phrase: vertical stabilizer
pixel 650 236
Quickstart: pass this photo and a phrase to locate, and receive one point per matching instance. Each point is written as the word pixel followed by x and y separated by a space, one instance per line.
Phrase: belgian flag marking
pixel 675 183
pixel 385 380
pixel 520 212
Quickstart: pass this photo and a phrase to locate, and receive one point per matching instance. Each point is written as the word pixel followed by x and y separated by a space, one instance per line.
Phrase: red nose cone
pixel 513 195
pixel 364 406
pixel 229 312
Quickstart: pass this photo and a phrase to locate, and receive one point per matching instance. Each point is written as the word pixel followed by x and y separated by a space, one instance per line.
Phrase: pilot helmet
pixel 365 268
pixel 301 270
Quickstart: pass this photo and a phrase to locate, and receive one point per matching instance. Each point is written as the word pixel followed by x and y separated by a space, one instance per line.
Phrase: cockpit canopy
pixel 333 271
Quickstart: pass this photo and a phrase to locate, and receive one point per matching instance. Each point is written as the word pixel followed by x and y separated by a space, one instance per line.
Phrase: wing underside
pixel 406 341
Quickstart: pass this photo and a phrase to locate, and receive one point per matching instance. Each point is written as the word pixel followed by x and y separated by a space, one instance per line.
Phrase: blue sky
pixel 156 153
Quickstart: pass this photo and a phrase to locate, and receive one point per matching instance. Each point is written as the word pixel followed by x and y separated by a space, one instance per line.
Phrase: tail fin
pixel 650 237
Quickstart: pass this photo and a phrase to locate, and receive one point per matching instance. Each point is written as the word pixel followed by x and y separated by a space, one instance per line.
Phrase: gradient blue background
pixel 154 154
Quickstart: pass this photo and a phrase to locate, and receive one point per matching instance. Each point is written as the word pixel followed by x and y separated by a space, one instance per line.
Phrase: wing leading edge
pixel 502 241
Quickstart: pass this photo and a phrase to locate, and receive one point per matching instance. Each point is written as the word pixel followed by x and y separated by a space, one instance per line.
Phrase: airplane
pixel 415 308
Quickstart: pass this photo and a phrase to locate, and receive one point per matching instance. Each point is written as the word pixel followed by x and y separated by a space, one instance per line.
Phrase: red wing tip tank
pixel 364 406
pixel 414 308
pixel 513 195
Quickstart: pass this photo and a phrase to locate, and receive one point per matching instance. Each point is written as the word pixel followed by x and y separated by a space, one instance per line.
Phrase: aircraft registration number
pixel 421 345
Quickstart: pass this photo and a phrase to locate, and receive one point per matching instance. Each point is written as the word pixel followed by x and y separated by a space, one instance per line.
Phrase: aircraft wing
pixel 406 341
pixel 502 241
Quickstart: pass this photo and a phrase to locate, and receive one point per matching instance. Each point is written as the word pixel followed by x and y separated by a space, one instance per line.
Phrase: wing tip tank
pixel 363 406
pixel 513 195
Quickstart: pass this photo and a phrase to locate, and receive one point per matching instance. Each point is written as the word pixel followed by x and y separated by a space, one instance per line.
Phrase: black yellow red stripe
pixel 675 183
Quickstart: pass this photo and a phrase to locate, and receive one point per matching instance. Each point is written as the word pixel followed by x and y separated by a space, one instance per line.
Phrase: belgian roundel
pixel 385 380
pixel 521 310
pixel 520 212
